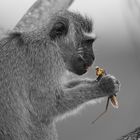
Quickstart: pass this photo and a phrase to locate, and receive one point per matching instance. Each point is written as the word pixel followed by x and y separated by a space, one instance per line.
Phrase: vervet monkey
pixel 32 64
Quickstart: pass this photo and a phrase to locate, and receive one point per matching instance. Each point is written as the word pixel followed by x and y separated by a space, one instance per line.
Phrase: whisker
pixel 82 58
pixel 80 48
pixel 80 51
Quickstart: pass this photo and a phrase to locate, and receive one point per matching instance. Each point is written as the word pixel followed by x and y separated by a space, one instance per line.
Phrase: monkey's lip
pixel 87 66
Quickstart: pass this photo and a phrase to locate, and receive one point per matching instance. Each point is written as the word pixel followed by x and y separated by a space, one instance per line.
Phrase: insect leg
pixel 102 112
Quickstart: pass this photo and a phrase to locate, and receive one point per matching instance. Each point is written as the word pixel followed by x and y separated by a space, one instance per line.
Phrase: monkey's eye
pixel 59 29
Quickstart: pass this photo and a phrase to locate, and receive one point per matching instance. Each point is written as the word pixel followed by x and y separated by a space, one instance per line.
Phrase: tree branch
pixel 134 135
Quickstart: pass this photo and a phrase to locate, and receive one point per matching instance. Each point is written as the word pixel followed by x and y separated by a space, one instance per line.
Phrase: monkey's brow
pixel 85 22
pixel 87 25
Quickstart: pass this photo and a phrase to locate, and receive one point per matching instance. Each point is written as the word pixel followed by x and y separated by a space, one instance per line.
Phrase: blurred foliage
pixel 132 16
pixel 134 6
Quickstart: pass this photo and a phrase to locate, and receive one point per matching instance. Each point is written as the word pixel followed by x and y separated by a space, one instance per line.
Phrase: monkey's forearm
pixel 76 96
pixel 74 83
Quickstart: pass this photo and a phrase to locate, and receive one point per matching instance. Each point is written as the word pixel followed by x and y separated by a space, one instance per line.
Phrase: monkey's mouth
pixel 88 62
pixel 86 67
pixel 81 67
pixel 80 64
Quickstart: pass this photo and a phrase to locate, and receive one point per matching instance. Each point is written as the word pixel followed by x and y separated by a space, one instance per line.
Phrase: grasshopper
pixel 113 98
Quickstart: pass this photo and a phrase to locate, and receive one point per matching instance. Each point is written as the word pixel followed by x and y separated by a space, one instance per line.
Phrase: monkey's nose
pixel 93 57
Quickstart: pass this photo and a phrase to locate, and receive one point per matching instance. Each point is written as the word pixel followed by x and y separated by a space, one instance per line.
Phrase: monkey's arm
pixel 86 91
pixel 73 83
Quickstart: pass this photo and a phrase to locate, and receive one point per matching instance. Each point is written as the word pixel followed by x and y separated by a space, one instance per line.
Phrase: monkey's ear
pixel 17 36
pixel 59 29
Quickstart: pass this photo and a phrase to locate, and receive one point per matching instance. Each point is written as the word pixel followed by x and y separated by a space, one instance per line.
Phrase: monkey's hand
pixel 109 85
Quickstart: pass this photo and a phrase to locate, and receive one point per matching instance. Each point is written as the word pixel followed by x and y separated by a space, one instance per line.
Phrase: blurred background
pixel 117 49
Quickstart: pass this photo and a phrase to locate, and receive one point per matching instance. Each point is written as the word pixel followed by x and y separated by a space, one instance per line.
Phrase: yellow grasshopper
pixel 99 73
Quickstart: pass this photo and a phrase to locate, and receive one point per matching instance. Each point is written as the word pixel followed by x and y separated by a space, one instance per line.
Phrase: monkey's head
pixel 69 32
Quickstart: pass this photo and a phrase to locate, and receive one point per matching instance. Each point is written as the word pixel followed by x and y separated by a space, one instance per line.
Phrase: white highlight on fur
pixel 112 76
pixel 79 108
pixel 92 34
pixel 67 76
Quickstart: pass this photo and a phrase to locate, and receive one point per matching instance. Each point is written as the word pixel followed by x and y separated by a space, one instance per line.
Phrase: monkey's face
pixel 83 56
pixel 76 47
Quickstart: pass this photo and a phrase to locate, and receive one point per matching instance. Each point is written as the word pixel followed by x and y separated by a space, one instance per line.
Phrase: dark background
pixel 117 49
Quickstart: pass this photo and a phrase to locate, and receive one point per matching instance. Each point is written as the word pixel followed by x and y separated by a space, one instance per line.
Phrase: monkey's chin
pixel 81 72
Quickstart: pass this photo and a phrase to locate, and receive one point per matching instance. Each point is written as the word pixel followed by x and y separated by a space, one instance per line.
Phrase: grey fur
pixel 32 64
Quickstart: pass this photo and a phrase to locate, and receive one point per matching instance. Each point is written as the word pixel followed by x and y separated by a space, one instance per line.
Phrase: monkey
pixel 33 95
